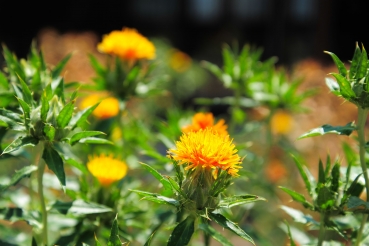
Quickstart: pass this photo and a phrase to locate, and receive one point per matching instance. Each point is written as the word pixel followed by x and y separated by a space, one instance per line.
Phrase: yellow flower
pixel 127 44
pixel 281 122
pixel 108 107
pixel 207 149
pixel 107 169
pixel 179 61
pixel 203 121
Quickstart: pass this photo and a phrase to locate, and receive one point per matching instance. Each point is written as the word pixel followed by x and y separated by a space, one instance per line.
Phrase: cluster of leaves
pixel 184 203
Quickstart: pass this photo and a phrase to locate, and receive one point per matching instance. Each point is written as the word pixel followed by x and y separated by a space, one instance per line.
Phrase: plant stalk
pixel 40 174
pixel 322 229
pixel 362 115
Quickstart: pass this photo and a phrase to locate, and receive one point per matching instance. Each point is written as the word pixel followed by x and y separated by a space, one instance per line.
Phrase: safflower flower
pixel 201 121
pixel 107 169
pixel 127 44
pixel 108 107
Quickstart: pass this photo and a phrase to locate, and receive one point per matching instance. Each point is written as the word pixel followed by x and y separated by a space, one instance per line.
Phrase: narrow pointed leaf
pixel 328 129
pixel 93 140
pixel 321 174
pixel 27 95
pixel 99 69
pixel 81 117
pixel 341 67
pixel 54 162
pixel 166 184
pixel 303 174
pixel 65 114
pixel 114 239
pixel 20 142
pixel 59 67
pixel 292 243
pixel 232 201
pixel 215 234
pixel 148 242
pixel 229 225
pixel 4 81
pixel 80 207
pixel 355 62
pixel 20 174
pixel 182 233
pixel 26 110
pixel 297 197
pixel 45 106
pixel 363 65
pixel 154 197
pixel 299 216
pixel 335 178
pixel 80 135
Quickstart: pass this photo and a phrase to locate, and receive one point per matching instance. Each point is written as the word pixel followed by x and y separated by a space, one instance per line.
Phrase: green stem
pixel 40 174
pixel 362 115
pixel 322 229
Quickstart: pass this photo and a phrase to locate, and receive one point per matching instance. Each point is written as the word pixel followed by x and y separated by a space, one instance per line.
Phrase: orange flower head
pixel 127 44
pixel 108 107
pixel 106 169
pixel 203 121
pixel 207 149
pixel 281 122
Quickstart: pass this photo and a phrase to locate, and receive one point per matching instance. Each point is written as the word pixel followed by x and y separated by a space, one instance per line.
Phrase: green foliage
pixel 328 129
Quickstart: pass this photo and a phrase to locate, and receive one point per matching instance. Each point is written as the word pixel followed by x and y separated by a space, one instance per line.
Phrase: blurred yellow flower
pixel 108 107
pixel 207 149
pixel 179 61
pixel 107 169
pixel 127 44
pixel 281 122
pixel 203 121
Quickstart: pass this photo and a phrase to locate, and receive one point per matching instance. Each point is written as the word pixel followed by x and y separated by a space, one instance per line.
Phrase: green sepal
pixel 303 174
pixel 215 234
pixel 54 162
pixel 297 197
pixel 335 178
pixel 328 129
pixel 345 86
pixel 232 201
pixel 59 67
pixel 355 62
pixel 21 141
pixel 325 199
pixel 65 114
pixel 20 174
pixel 79 207
pixel 49 131
pixel 229 225
pixel 114 239
pixel 84 134
pixel 166 184
pixel 154 197
pixel 182 233
pixel 321 174
pixel 327 166
pixel 363 65
pixel 341 67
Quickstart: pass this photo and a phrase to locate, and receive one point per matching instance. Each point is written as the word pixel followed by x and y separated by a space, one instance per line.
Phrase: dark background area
pixel 289 29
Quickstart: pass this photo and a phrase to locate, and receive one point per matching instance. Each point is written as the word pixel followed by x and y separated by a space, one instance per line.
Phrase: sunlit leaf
pixel 154 197
pixel 80 207
pixel 166 184
pixel 21 141
pixel 328 129
pixel 232 201
pixel 84 134
pixel 20 174
pixel 65 114
pixel 297 197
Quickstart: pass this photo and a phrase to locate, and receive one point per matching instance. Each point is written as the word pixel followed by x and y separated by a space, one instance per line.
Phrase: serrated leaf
pixel 114 239
pixel 20 174
pixel 81 117
pixel 166 184
pixel 80 207
pixel 59 67
pixel 49 131
pixel 215 234
pixel 303 174
pixel 54 162
pixel 21 141
pixel 93 140
pixel 229 225
pixel 297 197
pixel 182 233
pixel 65 114
pixel 85 134
pixel 328 129
pixel 232 201
pixel 341 67
pixel 154 197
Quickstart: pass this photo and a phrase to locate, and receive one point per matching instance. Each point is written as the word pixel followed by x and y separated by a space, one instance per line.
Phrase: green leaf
pixel 99 69
pixel 65 114
pixel 182 233
pixel 58 87
pixel 49 131
pixel 292 243
pixel 18 214
pixel 59 67
pixel 154 197
pixel 299 216
pixel 355 62
pixel 303 174
pixel 80 135
pixel 355 189
pixel 93 140
pixel 13 120
pixel 148 242
pixel 325 198
pixel 54 162
pixel 176 187
pixel 81 117
pixel 356 205
pixel 21 141
pixel 166 184
pixel 341 67
pixel 27 95
pixel 26 110
pixel 4 81
pixel 297 197
pixel 22 173
pixel 226 223
pixel 335 177
pixel 363 65
pixel 328 129
pixel 80 207
pixel 321 174
pixel 333 86
pixel 232 201
pixel 215 234
pixel 213 68
pixel 45 106
pixel 345 86
pixel 114 239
